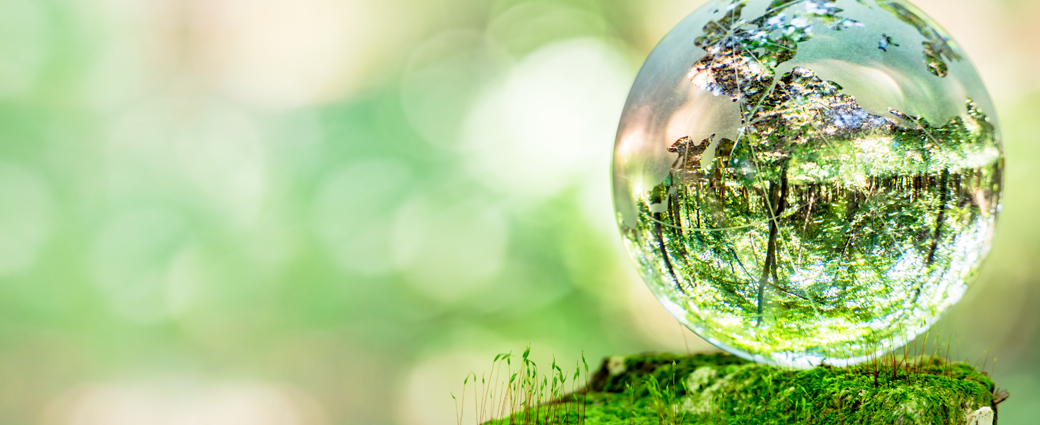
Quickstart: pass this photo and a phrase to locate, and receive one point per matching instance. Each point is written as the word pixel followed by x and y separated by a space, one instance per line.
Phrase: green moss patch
pixel 724 389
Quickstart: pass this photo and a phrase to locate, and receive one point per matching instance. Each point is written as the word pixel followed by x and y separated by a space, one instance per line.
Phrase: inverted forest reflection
pixel 822 232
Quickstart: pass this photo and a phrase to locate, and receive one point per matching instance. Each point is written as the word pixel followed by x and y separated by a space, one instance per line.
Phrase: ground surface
pixel 723 389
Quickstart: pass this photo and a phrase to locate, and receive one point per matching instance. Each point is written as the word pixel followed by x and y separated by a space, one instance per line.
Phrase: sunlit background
pixel 308 212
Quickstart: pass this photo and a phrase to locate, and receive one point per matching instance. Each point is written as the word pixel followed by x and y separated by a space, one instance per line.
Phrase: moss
pixel 724 389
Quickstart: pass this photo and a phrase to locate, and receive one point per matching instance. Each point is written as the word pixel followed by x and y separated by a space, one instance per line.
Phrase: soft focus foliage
pixel 329 211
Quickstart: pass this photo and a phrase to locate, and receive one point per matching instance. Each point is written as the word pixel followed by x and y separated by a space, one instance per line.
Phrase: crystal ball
pixel 805 182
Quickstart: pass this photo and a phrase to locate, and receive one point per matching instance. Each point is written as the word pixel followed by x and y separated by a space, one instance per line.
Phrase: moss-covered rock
pixel 724 389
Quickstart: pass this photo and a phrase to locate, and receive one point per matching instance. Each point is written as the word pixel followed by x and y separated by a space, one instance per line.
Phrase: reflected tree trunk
pixel 775 204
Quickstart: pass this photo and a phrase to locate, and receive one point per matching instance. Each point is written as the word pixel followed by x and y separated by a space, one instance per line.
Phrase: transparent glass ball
pixel 808 181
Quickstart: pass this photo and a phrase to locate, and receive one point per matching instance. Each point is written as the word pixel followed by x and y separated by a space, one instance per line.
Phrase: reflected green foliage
pixel 824 231
pixel 938 48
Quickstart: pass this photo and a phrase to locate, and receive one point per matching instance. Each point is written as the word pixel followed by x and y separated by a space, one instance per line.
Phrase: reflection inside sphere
pixel 807 181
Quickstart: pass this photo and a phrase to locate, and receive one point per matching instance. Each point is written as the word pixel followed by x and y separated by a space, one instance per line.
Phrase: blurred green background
pixel 329 211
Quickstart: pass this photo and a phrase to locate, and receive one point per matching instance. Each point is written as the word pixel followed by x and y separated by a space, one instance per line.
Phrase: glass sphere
pixel 807 181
